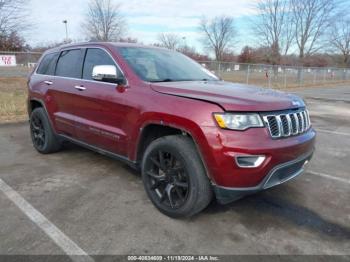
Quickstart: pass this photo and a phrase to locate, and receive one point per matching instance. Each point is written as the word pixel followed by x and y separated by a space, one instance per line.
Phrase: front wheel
pixel 174 177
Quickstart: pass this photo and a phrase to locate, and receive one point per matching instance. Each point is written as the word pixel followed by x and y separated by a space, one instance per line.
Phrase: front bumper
pixel 224 146
pixel 278 175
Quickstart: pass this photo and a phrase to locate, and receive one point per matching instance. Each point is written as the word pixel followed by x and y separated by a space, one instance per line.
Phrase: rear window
pixel 69 64
pixel 48 64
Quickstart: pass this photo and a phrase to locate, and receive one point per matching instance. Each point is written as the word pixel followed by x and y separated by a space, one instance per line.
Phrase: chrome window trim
pixel 87 80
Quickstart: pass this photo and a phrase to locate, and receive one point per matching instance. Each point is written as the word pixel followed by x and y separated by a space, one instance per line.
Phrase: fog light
pixel 249 161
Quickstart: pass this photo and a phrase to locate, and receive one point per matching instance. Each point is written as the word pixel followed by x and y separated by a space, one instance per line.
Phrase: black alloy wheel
pixel 38 132
pixel 167 179
pixel 174 176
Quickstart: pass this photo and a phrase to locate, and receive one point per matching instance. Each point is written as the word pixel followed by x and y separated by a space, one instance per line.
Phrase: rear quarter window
pixel 48 64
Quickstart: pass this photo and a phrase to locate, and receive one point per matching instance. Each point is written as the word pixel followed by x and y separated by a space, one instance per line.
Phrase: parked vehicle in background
pixel 192 135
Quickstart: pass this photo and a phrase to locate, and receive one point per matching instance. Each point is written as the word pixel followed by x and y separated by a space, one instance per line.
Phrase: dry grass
pixel 13 96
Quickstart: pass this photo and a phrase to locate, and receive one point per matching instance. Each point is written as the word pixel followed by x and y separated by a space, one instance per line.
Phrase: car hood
pixel 231 96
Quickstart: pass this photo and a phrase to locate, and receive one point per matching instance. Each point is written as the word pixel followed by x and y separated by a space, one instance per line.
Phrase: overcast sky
pixel 145 18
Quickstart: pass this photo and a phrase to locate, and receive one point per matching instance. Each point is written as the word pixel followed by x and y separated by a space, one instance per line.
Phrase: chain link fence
pixel 277 76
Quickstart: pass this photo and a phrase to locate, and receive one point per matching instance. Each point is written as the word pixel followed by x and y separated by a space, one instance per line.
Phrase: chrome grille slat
pixel 273 126
pixel 306 120
pixel 279 123
pixel 289 121
pixel 302 122
pixel 296 123
pixel 287 124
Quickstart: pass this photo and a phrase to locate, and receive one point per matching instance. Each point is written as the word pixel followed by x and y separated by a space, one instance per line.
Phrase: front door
pixel 101 110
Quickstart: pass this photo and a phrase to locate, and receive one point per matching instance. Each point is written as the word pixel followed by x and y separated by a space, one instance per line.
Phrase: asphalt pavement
pixel 79 202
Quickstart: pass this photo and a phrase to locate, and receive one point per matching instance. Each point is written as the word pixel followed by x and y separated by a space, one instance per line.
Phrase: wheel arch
pixel 34 103
pixel 152 131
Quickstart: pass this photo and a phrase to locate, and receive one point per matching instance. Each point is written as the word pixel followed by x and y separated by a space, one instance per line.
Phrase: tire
pixel 43 137
pixel 174 177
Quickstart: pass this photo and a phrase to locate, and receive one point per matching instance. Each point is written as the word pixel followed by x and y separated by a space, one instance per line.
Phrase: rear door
pixel 42 80
pixel 102 110
pixel 65 90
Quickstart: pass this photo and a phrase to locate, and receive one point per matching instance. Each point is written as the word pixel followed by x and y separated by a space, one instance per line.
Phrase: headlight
pixel 238 121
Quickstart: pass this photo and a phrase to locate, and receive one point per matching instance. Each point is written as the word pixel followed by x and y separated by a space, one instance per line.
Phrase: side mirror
pixel 106 73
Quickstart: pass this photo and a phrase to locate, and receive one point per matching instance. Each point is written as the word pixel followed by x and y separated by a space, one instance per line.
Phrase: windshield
pixel 161 65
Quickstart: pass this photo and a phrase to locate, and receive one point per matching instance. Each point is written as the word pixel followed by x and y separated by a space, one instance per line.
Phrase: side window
pixel 48 64
pixel 69 64
pixel 95 56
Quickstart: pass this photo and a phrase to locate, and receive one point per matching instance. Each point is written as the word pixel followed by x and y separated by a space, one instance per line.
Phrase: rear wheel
pixel 44 139
pixel 174 177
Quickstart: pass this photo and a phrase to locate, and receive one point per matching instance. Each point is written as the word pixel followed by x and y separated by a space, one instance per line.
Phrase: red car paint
pixel 112 118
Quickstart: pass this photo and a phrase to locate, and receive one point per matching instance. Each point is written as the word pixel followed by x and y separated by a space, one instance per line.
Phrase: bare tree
pixel 191 52
pixel 12 16
pixel 168 40
pixel 311 19
pixel 340 38
pixel 128 40
pixel 12 42
pixel 104 22
pixel 273 27
pixel 218 34
pixel 13 22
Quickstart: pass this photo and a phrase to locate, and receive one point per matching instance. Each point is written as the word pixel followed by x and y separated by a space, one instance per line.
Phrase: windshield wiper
pixel 181 80
pixel 207 80
pixel 163 80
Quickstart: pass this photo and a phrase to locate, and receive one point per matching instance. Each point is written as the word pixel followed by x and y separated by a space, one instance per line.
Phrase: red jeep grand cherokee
pixel 191 134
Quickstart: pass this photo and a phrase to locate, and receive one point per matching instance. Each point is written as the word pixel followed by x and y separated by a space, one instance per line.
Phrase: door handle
pixel 48 82
pixel 80 88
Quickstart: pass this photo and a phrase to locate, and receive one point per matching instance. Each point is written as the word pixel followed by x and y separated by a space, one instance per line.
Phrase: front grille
pixel 287 124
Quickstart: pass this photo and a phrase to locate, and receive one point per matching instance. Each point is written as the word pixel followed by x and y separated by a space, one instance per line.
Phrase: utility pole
pixel 65 22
